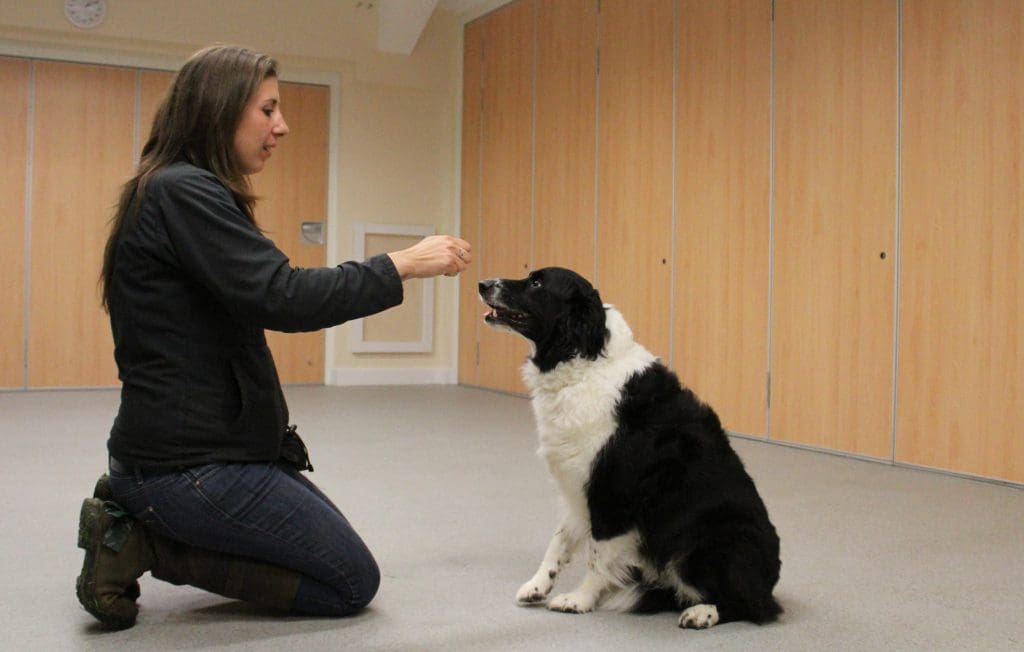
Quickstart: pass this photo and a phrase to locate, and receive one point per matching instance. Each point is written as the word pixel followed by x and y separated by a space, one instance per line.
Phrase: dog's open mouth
pixel 505 315
pixel 500 314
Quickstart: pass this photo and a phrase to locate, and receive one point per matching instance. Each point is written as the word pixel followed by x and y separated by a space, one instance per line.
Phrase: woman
pixel 204 486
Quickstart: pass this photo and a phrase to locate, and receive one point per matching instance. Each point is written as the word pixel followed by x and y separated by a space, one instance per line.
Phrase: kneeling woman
pixel 205 486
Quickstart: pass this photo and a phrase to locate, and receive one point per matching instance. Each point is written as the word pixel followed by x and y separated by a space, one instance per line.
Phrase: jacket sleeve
pixel 221 250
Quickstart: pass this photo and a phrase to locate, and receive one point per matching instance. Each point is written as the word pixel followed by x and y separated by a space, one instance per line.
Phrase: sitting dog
pixel 670 518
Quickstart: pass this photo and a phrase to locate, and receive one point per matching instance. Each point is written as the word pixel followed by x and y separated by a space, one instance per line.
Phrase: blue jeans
pixel 264 511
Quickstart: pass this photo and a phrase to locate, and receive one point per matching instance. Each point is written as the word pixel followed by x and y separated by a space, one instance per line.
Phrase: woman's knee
pixel 351 593
pixel 366 585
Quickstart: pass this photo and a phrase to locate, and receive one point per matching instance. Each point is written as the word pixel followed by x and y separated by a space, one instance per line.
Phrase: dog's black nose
pixel 484 286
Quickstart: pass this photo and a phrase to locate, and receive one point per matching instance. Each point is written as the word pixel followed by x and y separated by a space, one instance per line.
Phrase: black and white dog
pixel 670 517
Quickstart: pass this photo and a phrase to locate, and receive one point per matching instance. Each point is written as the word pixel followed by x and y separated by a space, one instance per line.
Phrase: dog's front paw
pixel 534 592
pixel 699 616
pixel 572 603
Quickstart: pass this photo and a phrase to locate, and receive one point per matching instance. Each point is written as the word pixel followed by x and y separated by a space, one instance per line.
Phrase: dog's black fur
pixel 667 471
pixel 564 318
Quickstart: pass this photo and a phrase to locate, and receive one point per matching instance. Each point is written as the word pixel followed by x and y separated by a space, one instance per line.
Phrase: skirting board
pixel 423 376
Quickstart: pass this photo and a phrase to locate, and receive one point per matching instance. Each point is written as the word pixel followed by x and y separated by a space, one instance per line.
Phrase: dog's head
pixel 554 308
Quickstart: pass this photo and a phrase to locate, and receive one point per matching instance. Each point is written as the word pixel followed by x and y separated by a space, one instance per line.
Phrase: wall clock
pixel 85 13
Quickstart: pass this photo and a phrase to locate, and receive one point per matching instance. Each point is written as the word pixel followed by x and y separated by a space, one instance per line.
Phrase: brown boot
pixel 103 492
pixel 235 577
pixel 102 489
pixel 117 552
pixel 105 587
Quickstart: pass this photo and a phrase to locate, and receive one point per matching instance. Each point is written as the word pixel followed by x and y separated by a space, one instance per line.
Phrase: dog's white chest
pixel 575 404
pixel 575 410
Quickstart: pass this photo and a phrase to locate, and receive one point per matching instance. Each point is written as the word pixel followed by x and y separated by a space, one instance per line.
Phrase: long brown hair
pixel 196 123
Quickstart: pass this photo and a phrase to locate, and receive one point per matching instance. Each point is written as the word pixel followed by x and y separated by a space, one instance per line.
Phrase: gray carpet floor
pixel 445 486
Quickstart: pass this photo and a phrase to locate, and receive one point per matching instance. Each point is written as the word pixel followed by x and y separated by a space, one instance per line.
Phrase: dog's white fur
pixel 574 406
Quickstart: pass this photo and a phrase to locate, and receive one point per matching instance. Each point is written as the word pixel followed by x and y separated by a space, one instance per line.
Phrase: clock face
pixel 85 13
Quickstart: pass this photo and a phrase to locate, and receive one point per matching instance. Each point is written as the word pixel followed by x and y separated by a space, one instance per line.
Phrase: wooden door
pixel 506 177
pixel 293 189
pixel 14 88
pixel 564 224
pixel 634 242
pixel 961 361
pixel 723 173
pixel 834 224
pixel 81 153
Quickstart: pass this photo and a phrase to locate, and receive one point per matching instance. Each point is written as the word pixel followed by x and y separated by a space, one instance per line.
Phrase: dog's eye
pixel 535 283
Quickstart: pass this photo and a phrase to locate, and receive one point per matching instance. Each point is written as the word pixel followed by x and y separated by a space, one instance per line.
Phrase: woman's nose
pixel 281 128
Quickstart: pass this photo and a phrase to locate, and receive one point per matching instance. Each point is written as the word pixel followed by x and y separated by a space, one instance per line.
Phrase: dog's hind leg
pixel 699 616
pixel 560 551
pixel 735 576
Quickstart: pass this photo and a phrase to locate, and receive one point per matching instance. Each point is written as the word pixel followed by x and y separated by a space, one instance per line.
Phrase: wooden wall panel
pixel 506 177
pixel 961 361
pixel 722 211
pixel 14 88
pixel 153 86
pixel 82 152
pixel 634 243
pixel 470 308
pixel 832 263
pixel 565 136
pixel 293 189
pixel 834 218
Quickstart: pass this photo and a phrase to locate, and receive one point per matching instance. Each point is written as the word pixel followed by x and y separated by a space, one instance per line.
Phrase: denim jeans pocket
pixel 129 488
pixel 198 475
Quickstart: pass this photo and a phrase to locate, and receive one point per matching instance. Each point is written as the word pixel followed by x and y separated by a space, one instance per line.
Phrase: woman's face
pixel 262 124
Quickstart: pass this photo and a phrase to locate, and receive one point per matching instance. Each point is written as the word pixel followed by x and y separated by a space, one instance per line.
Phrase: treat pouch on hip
pixel 294 451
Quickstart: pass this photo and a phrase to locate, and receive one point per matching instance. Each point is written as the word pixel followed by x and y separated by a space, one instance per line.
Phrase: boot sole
pixel 85 585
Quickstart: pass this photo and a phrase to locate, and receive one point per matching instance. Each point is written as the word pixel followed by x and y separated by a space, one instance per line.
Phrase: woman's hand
pixel 433 256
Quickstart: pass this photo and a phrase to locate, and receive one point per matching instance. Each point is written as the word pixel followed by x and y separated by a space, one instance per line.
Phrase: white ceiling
pixel 400 22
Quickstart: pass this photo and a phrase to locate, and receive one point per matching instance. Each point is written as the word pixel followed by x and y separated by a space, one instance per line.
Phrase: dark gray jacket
pixel 194 285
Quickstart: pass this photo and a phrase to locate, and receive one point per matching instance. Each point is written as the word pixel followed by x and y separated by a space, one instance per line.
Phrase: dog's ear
pixel 585 323
pixel 578 328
